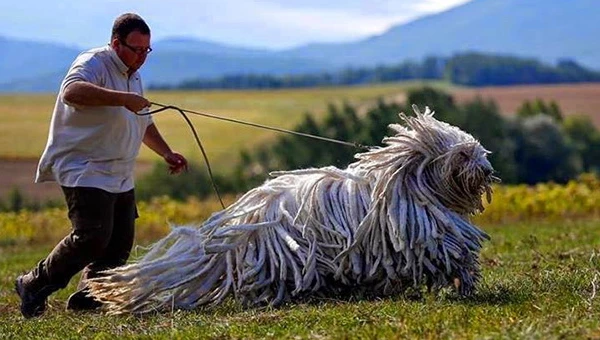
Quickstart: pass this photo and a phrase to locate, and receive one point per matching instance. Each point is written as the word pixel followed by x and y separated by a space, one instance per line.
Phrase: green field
pixel 26 118
pixel 541 276
pixel 541 270
pixel 540 281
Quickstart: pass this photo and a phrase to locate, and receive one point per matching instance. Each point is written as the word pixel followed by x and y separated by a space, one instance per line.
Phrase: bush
pixel 196 182
pixel 544 152
pixel 585 139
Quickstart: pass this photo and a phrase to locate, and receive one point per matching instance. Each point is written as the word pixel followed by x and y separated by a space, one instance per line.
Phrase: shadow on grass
pixel 230 307
pixel 498 295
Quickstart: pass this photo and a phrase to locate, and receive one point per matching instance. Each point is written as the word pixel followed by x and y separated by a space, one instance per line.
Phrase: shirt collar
pixel 118 62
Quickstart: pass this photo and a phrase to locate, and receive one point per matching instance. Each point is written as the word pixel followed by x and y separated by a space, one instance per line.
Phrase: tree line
pixel 538 144
pixel 469 69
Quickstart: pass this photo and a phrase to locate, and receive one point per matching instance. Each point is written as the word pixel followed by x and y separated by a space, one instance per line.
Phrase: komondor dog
pixel 398 217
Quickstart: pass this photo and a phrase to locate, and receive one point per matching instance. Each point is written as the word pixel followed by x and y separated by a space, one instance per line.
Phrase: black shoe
pixel 81 301
pixel 33 304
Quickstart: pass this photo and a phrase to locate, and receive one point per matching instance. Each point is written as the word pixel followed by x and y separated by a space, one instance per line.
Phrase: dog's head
pixel 455 164
pixel 442 164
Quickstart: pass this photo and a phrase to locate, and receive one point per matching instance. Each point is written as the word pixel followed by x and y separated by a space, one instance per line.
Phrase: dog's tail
pixel 162 277
pixel 232 252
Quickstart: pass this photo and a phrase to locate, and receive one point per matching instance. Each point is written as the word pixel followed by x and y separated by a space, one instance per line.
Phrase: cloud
pixel 437 5
pixel 255 23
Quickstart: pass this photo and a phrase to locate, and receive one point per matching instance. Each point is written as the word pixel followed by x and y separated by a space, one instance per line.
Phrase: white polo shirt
pixel 94 146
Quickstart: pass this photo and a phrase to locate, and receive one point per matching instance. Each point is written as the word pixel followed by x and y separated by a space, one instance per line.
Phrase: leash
pixel 163 107
pixel 266 127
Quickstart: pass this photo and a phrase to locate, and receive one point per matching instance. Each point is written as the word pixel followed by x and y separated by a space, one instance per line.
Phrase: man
pixel 94 139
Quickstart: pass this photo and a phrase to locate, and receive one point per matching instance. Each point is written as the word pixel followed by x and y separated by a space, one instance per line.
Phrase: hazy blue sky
pixel 270 24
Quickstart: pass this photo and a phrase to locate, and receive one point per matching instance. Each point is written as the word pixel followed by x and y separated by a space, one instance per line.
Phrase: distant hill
pixel 185 44
pixel 174 63
pixel 540 29
pixel 31 66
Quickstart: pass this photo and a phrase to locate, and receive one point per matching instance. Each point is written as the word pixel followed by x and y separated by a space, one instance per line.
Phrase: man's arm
pixel 154 140
pixel 82 93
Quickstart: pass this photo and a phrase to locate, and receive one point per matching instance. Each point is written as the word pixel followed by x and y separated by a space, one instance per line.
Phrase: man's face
pixel 132 50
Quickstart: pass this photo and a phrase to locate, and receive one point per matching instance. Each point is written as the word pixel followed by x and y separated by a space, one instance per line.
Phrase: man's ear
pixel 115 43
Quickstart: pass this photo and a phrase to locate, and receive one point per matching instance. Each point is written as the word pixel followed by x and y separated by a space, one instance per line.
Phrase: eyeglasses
pixel 137 50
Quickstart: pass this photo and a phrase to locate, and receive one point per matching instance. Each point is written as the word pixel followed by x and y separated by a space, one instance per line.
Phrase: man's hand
pixel 177 162
pixel 134 102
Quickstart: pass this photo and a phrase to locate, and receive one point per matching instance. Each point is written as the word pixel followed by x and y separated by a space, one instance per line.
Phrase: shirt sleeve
pixel 149 120
pixel 86 68
pixel 146 120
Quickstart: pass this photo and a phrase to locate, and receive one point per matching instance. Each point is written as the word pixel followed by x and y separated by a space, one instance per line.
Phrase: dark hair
pixel 127 23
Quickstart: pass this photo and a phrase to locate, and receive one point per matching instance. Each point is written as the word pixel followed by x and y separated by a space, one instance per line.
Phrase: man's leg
pixel 91 213
pixel 116 253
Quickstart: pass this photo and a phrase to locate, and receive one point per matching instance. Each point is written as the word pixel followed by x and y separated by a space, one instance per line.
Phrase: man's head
pixel 131 40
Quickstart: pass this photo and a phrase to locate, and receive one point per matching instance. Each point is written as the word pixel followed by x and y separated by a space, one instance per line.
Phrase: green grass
pixel 26 117
pixel 539 281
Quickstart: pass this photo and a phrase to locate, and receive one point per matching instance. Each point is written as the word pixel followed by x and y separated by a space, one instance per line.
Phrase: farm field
pixel 24 120
pixel 580 99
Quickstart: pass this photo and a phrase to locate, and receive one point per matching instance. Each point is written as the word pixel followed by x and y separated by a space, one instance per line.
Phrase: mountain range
pixel 548 30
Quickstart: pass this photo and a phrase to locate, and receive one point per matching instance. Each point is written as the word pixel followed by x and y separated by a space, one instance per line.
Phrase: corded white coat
pixel 397 217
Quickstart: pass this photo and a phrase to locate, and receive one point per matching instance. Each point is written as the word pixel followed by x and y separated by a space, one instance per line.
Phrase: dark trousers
pixel 101 238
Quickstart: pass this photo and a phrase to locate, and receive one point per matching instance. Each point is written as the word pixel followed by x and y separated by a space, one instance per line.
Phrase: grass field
pixel 541 278
pixel 541 275
pixel 540 281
